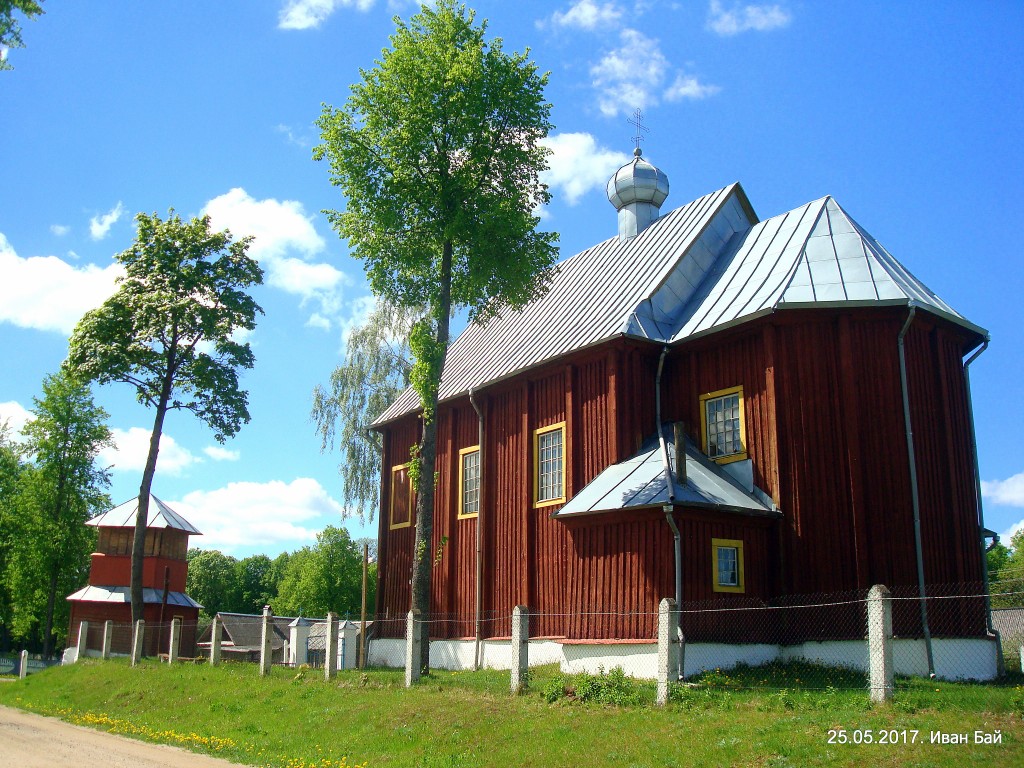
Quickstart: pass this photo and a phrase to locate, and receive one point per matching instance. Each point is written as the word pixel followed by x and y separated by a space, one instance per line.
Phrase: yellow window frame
pixel 462 464
pixel 740 455
pixel 392 525
pixel 717 544
pixel 537 433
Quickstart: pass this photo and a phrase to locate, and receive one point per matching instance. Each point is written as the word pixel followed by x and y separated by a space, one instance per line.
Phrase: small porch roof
pixel 639 482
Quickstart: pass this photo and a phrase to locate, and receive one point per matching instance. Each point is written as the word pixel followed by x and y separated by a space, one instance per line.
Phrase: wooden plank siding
pixel 824 432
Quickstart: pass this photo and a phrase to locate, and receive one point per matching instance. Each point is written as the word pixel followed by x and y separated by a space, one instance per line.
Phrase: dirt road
pixel 32 741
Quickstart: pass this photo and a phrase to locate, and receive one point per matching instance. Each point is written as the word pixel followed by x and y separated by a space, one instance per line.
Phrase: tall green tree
pixel 10 470
pixel 374 372
pixel 64 489
pixel 213 581
pixel 10 30
pixel 437 152
pixel 169 332
pixel 256 587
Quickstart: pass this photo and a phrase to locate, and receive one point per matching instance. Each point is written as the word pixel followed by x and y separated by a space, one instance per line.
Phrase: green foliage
pixel 612 687
pixel 1006 573
pixel 170 329
pixel 374 372
pixel 325 577
pixel 63 487
pixel 213 581
pixel 10 30
pixel 440 143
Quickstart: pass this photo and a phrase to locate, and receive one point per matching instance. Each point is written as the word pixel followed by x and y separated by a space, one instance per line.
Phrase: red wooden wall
pixel 825 433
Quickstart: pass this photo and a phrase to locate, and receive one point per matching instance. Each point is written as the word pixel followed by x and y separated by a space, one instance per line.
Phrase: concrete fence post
pixel 266 640
pixel 348 645
pixel 174 647
pixel 137 638
pixel 215 632
pixel 880 644
pixel 23 665
pixel 668 649
pixel 83 639
pixel 331 647
pixel 108 637
pixel 413 646
pixel 520 648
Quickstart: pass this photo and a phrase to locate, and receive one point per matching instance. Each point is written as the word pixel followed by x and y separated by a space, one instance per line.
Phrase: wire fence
pixel 815 642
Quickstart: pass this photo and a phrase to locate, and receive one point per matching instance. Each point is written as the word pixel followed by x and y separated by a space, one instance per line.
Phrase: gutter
pixel 479 531
pixel 981 512
pixel 668 510
pixel 922 596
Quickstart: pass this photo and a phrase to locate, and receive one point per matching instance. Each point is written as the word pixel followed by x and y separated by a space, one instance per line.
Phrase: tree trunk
pixel 145 489
pixel 422 556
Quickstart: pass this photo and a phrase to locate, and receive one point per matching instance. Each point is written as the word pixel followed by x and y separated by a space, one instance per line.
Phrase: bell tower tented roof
pixel 160 516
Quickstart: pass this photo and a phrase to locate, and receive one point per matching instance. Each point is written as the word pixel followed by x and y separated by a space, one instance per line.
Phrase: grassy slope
pixel 469 719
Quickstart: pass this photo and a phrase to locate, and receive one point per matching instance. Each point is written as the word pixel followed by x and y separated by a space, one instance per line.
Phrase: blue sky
pixel 910 114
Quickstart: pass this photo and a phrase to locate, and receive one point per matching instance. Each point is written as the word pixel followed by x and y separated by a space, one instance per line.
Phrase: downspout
pixel 922 596
pixel 669 507
pixel 981 512
pixel 479 529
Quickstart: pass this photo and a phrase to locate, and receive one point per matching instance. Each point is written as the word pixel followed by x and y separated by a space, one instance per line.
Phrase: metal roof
pixel 591 299
pixel 160 516
pixel 812 256
pixel 639 481
pixel 703 267
pixel 93 594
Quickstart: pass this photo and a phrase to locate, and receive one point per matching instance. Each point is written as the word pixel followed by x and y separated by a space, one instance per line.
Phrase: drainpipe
pixel 914 494
pixel 981 513
pixel 479 529
pixel 668 508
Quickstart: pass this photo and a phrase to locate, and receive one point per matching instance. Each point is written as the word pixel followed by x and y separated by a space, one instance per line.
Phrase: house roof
pixel 160 516
pixel 245 630
pixel 703 267
pixel 639 482
pixel 92 594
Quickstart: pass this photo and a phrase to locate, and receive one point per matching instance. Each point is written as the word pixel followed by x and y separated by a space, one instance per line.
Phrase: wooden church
pixel 710 406
pixel 164 573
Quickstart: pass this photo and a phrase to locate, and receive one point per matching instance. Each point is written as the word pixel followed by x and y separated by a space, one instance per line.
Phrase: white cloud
pixel 59 229
pixel 688 87
pixel 219 453
pixel 131 447
pixel 585 14
pixel 99 226
pixel 578 164
pixel 633 76
pixel 742 18
pixel 272 514
pixel 1009 492
pixel 281 228
pixel 47 293
pixel 309 14
pixel 16 416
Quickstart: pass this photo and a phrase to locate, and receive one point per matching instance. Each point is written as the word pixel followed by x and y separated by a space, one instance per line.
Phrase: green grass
pixel 469 719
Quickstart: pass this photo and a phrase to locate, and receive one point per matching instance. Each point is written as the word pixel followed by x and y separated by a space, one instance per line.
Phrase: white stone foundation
pixel 955 658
